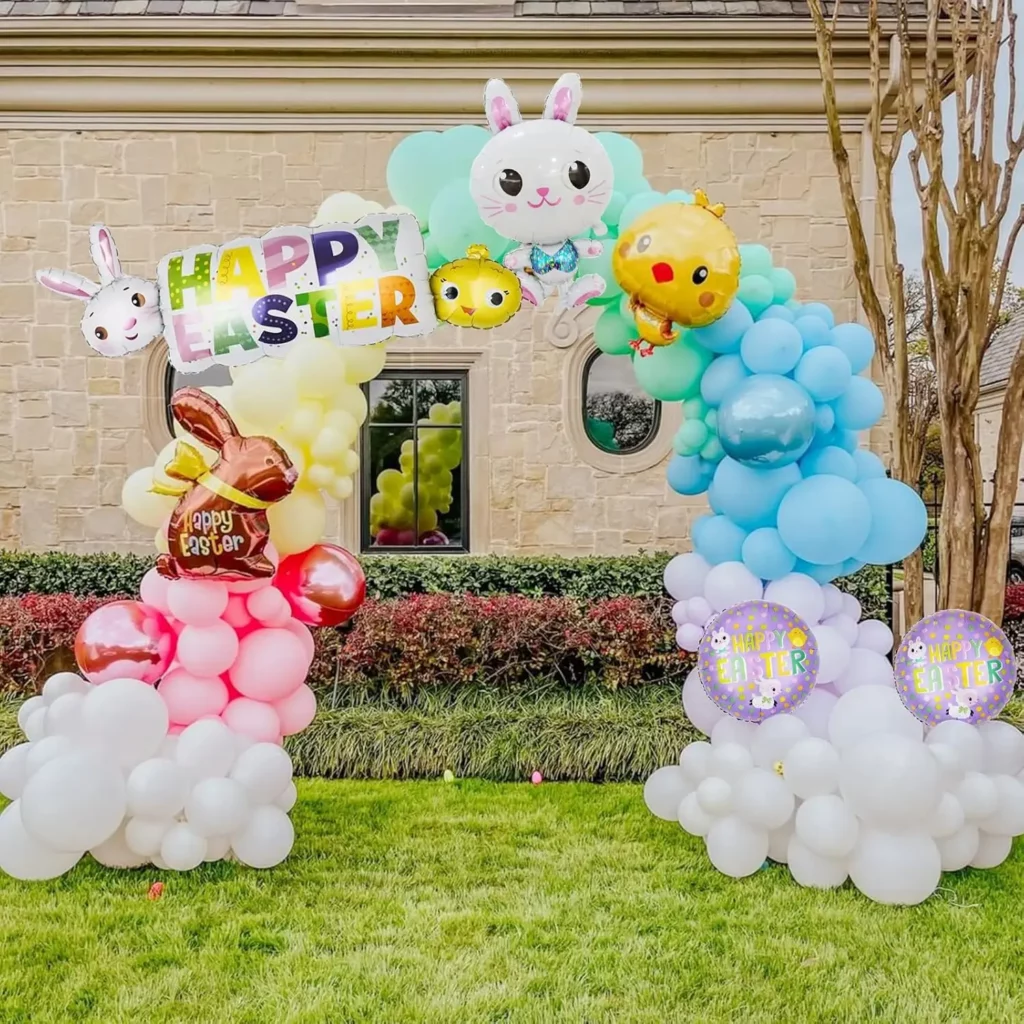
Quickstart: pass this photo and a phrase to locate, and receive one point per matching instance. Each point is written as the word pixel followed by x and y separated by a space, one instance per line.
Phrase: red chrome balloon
pixel 125 640
pixel 325 585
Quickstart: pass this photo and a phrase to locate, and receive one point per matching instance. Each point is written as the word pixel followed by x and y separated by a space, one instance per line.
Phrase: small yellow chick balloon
pixel 797 637
pixel 679 264
pixel 475 291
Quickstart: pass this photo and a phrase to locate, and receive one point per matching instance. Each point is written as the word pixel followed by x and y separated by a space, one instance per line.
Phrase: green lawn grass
pixel 477 901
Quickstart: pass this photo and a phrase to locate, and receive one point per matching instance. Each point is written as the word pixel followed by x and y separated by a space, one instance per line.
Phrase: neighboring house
pixel 184 122
pixel 995 371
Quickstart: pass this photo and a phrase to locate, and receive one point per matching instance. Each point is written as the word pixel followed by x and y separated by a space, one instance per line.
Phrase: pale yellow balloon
pixel 296 453
pixel 320 476
pixel 329 446
pixel 141 503
pixel 266 396
pixel 349 463
pixel 343 208
pixel 160 540
pixel 318 367
pixel 364 362
pixel 344 423
pixel 305 423
pixel 298 522
pixel 351 399
pixel 341 488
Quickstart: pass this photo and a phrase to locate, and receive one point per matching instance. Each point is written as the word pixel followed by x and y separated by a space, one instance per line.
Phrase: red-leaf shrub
pixel 1014 607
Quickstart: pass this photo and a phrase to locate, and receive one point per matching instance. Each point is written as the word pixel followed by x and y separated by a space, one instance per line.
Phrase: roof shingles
pixel 995 367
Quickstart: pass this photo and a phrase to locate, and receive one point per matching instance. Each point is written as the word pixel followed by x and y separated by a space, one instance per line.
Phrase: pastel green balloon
pixel 614 210
pixel 756 293
pixel 694 408
pixel 626 157
pixel 455 224
pixel 755 259
pixel 612 334
pixel 434 257
pixel 671 373
pixel 783 284
pixel 690 437
pixel 713 450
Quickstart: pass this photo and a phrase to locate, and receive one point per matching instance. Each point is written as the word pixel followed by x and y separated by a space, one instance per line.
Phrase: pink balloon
pixel 269 606
pixel 189 697
pixel 236 614
pixel 304 634
pixel 197 602
pixel 208 650
pixel 176 730
pixel 271 663
pixel 296 711
pixel 253 718
pixel 153 591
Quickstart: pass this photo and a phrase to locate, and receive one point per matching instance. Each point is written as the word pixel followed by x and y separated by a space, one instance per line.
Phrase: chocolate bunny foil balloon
pixel 219 528
pixel 545 184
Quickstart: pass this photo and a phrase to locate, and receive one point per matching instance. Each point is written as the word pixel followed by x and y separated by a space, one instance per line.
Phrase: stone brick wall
pixel 73 426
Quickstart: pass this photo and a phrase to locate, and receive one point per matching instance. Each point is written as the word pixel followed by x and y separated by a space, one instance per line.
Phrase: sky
pixel 905 202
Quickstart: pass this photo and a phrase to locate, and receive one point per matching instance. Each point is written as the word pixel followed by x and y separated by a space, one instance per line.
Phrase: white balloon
pixel 27 708
pixel 23 857
pixel 811 768
pixel 700 709
pixel 220 807
pixel 735 848
pixel 127 718
pixel 963 738
pixel 798 593
pixel 663 792
pixel 815 710
pixel 695 760
pixel 729 761
pixel 874 635
pixel 698 611
pixel 826 826
pixel 732 730
pixel 145 836
pixel 693 818
pixel 977 795
pixel 116 853
pixel 182 849
pixel 958 850
pixel 679 616
pixel 685 574
pixel 168 748
pixel 774 738
pixel 265 769
pixel 865 668
pixel 12 770
pixel 890 781
pixel 898 869
pixel 688 637
pixel 63 683
pixel 74 802
pixel 844 626
pixel 731 583
pixel 950 763
pixel 811 869
pixel 206 748
pixel 762 799
pixel 868 710
pixel 992 850
pixel 1008 817
pixel 947 818
pixel 266 839
pixel 714 796
pixel 286 799
pixel 851 607
pixel 833 653
pixel 1004 748
pixel 65 715
pixel 217 848
pixel 833 598
pixel 35 724
pixel 45 750
pixel 157 788
pixel 778 843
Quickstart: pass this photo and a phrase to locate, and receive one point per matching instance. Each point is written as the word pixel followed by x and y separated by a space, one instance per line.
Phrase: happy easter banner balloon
pixel 354 283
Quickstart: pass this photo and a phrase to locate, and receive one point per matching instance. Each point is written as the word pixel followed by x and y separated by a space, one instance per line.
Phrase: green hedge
pixel 392 576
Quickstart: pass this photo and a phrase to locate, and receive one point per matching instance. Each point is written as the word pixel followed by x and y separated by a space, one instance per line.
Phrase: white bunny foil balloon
pixel 122 312
pixel 544 184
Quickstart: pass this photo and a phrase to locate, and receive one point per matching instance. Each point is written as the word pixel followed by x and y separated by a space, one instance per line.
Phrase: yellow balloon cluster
pixel 438 452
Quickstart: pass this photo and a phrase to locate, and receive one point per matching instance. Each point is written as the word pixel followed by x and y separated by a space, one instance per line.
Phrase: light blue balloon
pixel 831 461
pixel 678 195
pixel 783 283
pixel 824 519
pixel 824 372
pixel 794 306
pixel 869 465
pixel 819 573
pixel 824 418
pixel 899 521
pixel 777 312
pixel 698 527
pixel 766 420
pixel 813 330
pixel 771 346
pixel 766 556
pixel 860 406
pixel 725 372
pixel 755 259
pixel 819 309
pixel 755 292
pixel 751 497
pixel 856 341
pixel 850 566
pixel 847 440
pixel 726 333
pixel 625 155
pixel 721 540
pixel 688 474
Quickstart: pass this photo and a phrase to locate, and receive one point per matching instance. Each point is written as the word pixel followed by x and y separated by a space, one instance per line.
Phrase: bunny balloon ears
pixel 563 103
pixel 122 312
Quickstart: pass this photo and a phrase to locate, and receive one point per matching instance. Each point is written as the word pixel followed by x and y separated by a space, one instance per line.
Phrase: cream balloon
pixel 364 362
pixel 139 501
pixel 318 367
pixel 267 395
pixel 298 522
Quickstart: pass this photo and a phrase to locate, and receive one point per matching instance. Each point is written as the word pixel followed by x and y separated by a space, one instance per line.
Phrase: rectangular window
pixel 415 487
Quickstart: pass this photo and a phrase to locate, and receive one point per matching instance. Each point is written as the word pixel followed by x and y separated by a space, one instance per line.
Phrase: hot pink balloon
pixel 253 718
pixel 197 602
pixel 271 663
pixel 208 650
pixel 125 640
pixel 189 697
pixel 296 711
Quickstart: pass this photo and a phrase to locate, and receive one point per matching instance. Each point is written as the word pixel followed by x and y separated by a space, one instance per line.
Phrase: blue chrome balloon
pixel 766 421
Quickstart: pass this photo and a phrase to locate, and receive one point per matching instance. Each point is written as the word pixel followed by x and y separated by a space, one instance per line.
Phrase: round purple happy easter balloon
pixel 955 664
pixel 757 659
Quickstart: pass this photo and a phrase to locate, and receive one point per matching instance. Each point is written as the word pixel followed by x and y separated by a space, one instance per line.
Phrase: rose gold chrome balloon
pixel 325 585
pixel 125 640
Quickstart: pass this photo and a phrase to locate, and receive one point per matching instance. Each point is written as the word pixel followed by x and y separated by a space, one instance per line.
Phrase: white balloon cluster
pixel 847 785
pixel 100 774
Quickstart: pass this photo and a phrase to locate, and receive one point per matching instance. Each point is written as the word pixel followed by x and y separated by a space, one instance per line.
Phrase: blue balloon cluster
pixel 785 396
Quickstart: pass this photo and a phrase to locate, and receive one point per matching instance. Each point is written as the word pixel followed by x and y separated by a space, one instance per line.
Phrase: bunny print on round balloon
pixel 122 312
pixel 544 184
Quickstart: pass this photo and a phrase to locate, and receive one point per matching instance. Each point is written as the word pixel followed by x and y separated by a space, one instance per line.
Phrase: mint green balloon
pixel 755 259
pixel 614 210
pixel 461 145
pixel 625 155
pixel 640 203
pixel 713 450
pixel 783 284
pixel 434 257
pixel 671 373
pixel 690 438
pixel 612 334
pixel 455 224
pixel 694 408
pixel 711 419
pixel 756 293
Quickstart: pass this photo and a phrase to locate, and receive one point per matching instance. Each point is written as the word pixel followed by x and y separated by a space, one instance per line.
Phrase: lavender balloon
pixel 757 659
pixel 955 664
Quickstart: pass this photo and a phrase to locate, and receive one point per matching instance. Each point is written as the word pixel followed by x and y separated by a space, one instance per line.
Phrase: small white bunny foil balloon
pixel 544 184
pixel 122 313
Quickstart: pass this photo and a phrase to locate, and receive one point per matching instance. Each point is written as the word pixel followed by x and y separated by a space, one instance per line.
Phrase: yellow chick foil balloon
pixel 679 264
pixel 475 291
